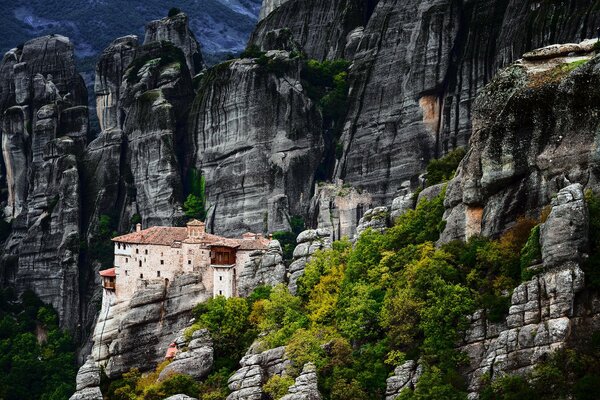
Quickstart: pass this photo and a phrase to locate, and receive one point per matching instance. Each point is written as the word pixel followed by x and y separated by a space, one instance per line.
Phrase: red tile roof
pixel 108 272
pixel 166 236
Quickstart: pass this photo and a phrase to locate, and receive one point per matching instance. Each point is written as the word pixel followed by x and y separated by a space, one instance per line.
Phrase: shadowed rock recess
pixel 253 136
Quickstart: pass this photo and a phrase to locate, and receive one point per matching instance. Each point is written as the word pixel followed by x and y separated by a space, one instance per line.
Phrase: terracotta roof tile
pixel 166 236
pixel 108 272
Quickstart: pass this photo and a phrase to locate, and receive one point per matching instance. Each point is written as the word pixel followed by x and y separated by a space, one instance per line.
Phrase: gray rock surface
pixel 180 397
pixel 263 268
pixel 309 242
pixel 138 333
pixel 176 30
pixel 88 382
pixel 417 70
pixel 406 376
pixel 255 369
pixel 377 219
pixel 532 137
pixel 258 141
pixel 305 387
pixel 320 28
pixel 196 362
pixel 338 209
pixel 564 236
pixel 268 6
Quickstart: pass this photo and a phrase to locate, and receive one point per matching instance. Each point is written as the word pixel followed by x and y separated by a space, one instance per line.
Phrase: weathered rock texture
pixel 176 30
pixel 405 376
pixel 543 315
pixel 88 382
pixel 376 219
pixel 268 6
pixel 338 209
pixel 196 361
pixel 138 333
pixel 534 133
pixel 44 130
pixel 417 70
pixel 258 141
pixel 263 268
pixel 321 28
pixel 309 242
pixel 305 387
pixel 255 370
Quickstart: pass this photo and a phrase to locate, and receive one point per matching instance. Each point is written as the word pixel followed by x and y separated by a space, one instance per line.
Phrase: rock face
pixel 534 133
pixel 543 314
pixel 196 362
pixel 305 387
pixel 405 376
pixel 88 382
pixel 258 143
pixel 377 219
pixel 338 209
pixel 44 130
pixel 176 30
pixel 564 236
pixel 321 28
pixel 255 370
pixel 417 69
pixel 138 332
pixel 263 268
pixel 268 6
pixel 308 243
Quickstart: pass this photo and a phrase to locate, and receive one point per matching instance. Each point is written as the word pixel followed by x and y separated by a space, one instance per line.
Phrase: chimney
pixel 138 227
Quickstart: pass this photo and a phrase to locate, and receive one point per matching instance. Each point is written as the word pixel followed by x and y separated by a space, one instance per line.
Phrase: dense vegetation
pixel 443 169
pixel 37 359
pixel 363 309
pixel 195 206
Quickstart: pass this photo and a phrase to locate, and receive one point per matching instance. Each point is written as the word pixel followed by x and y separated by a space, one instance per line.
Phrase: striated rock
pixel 338 209
pixel 138 332
pixel 564 235
pixel 319 28
pixel 44 130
pixel 309 242
pixel 552 51
pixel 176 30
pixel 88 382
pixel 255 369
pixel 258 142
pixel 406 376
pixel 429 60
pixel 268 6
pixel 263 268
pixel 305 387
pixel 196 362
pixel 377 219
pixel 533 135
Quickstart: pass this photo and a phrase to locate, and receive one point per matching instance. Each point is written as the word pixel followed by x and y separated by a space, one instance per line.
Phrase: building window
pixel 140 263
pixel 137 251
pixel 158 274
pixel 220 278
pixel 126 273
pixel 162 262
pixel 220 292
pixel 161 254
pixel 141 276
pixel 146 251
pixel 118 245
pixel 189 262
pixel 126 260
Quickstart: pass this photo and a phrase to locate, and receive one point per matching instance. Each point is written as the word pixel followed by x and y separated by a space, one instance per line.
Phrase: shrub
pixel 195 206
pixel 531 252
pixel 443 169
pixel 277 386
pixel 173 12
pixel 252 51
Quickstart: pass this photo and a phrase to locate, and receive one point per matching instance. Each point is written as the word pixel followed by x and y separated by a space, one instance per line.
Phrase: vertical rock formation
pixel 309 242
pixel 268 6
pixel 88 382
pixel 176 30
pixel 321 28
pixel 258 141
pixel 255 370
pixel 419 66
pixel 263 268
pixel 534 132
pixel 305 387
pixel 44 131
